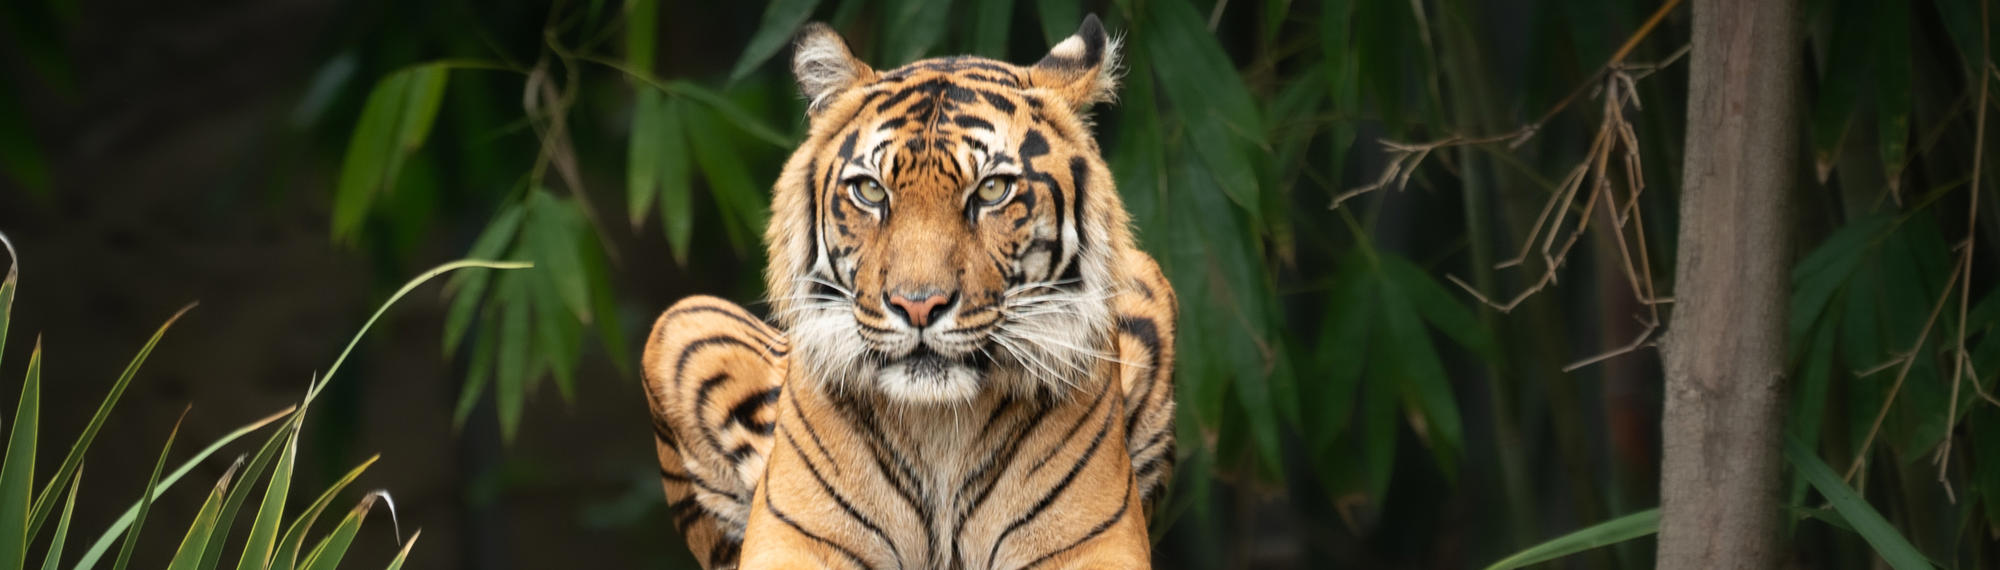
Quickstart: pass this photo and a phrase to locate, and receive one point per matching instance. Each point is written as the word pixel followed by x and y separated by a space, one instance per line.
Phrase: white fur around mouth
pixel 928 378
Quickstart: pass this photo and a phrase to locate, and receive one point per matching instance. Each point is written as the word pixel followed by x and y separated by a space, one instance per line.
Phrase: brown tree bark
pixel 1724 354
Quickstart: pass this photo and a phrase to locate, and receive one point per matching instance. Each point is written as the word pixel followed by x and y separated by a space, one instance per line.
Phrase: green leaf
pixel 393 125
pixel 52 559
pixel 225 520
pixel 914 27
pixel 675 180
pixel 1343 350
pixel 17 477
pixel 744 207
pixel 556 334
pixel 1839 94
pixel 990 26
pixel 642 155
pixel 478 370
pixel 45 502
pixel 604 304
pixel 1059 18
pixel 782 19
pixel 1868 523
pixel 1614 531
pixel 642 24
pixel 333 548
pixel 730 110
pixel 554 225
pixel 1426 389
pixel 513 360
pixel 397 564
pixel 189 555
pixel 131 514
pixel 295 535
pixel 263 538
pixel 1890 30
pixel 146 500
pixel 467 288
pixel 1222 116
pixel 1440 308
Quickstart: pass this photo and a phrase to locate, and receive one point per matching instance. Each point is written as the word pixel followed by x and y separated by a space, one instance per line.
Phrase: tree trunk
pixel 1724 355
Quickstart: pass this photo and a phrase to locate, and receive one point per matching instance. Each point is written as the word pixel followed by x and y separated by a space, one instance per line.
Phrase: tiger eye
pixel 993 189
pixel 872 191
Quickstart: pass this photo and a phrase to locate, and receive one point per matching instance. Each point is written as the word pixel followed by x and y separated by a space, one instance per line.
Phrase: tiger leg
pixel 711 372
pixel 1146 310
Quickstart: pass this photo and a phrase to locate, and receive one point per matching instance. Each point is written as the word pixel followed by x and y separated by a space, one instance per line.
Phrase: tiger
pixel 969 362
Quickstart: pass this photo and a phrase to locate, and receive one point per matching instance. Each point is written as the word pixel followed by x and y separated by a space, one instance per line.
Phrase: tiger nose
pixel 921 308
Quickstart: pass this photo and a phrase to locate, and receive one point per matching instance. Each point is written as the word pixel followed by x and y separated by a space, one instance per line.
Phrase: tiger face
pixel 948 227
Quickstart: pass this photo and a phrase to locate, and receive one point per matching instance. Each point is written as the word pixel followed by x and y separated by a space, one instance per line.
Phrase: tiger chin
pixel 969 362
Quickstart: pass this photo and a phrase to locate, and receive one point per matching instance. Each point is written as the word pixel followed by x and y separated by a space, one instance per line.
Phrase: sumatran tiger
pixel 971 363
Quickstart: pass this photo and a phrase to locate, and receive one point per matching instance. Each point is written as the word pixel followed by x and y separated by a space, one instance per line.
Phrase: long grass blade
pixel 7 287
pixel 45 502
pixel 264 529
pixel 224 521
pixel 146 500
pixel 1867 522
pixel 397 564
pixel 194 545
pixel 329 552
pixel 1614 531
pixel 52 558
pixel 17 477
pixel 288 549
pixel 103 543
pixel 405 290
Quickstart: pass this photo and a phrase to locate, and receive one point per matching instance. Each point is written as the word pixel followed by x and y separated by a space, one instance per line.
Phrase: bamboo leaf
pixel 17 476
pixel 393 124
pixel 730 110
pixel 468 287
pixel 743 205
pixel 1614 531
pixel 1426 389
pixel 642 24
pixel 1222 117
pixel 995 18
pixel 513 360
pixel 295 535
pixel 642 155
pixel 914 27
pixel 1868 523
pixel 1059 18
pixel 1891 79
pixel 551 236
pixel 195 544
pixel 782 19
pixel 479 369
pixel 1440 308
pixel 676 188
pixel 226 519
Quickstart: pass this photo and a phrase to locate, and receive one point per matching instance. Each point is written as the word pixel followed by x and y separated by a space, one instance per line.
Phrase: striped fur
pixel 972 361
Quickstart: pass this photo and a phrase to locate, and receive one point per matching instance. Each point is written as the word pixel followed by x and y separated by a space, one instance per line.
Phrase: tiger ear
pixel 824 66
pixel 1083 69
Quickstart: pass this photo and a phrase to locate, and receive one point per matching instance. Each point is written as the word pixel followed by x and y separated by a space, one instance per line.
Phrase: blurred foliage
pixel 23 512
pixel 1327 360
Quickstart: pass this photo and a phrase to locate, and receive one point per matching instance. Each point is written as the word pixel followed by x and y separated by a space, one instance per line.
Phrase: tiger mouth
pixel 925 361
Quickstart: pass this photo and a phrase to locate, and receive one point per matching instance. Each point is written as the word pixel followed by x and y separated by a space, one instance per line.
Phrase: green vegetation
pixel 24 511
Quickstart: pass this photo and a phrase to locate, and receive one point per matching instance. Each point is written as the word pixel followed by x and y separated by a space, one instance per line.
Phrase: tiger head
pixel 948 226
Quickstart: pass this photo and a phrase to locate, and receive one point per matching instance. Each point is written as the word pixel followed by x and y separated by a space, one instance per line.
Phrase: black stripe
pixel 787 519
pixel 1063 485
pixel 841 501
pixel 744 413
pixel 1147 332
pixel 1099 528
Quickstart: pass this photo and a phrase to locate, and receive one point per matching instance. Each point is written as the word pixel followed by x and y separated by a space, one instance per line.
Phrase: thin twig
pixel 1965 260
pixel 1903 373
